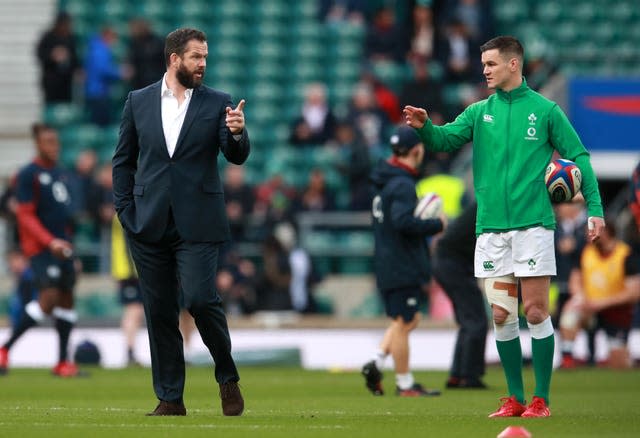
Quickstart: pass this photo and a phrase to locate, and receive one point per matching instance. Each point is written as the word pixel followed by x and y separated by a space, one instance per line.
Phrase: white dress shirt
pixel 172 114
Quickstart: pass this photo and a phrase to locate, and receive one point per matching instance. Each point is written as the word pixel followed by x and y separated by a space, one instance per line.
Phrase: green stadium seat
pixel 511 11
pixel 62 114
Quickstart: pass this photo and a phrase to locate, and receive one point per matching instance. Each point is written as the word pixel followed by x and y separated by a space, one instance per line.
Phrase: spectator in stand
pixel 604 296
pixel 457 52
pixel 239 200
pixel 385 40
pixel 316 123
pixel 538 67
pixel 422 90
pixel 385 97
pixel 272 287
pixel 146 54
pixel 101 73
pixel 236 282
pixel 315 196
pixel 58 59
pixel 570 237
pixel 353 12
pixel 475 14
pixel 423 35
pixel 303 275
pixel 274 199
pixel 370 122
pixel 355 165
pixel 82 185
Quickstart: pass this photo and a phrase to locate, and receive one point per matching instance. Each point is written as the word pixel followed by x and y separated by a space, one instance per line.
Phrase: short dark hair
pixel 176 41
pixel 38 128
pixel 505 44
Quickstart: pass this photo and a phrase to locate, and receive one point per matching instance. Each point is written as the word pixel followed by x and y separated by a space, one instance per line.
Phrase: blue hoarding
pixel 606 113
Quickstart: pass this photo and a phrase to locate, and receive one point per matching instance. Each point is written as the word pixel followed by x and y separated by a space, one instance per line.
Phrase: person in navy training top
pixel 401 259
pixel 44 220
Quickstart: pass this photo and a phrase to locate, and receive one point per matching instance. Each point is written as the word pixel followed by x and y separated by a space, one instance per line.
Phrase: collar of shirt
pixel 172 114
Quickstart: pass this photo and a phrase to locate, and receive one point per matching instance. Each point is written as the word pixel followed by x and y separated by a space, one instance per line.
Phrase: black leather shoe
pixel 462 383
pixel 168 408
pixel 232 401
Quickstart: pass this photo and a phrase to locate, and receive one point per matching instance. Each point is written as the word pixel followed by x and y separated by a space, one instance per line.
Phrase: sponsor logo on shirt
pixel 488 265
pixel 487 118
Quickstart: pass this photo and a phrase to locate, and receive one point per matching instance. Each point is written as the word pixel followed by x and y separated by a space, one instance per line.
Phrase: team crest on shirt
pixel 44 178
pixel 532 119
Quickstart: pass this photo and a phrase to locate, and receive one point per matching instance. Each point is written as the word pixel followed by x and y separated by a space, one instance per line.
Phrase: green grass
pixel 289 402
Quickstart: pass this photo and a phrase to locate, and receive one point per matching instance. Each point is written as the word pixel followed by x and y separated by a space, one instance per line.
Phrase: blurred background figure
pixel 603 297
pixel 146 54
pixel 303 275
pixel 338 12
pixel 273 282
pixel 570 238
pixel 315 196
pixel 355 165
pixel 101 72
pixel 124 272
pixel 423 35
pixel 453 269
pixel 316 122
pixel 58 59
pixel 457 52
pixel 239 200
pixel 385 40
pixel 24 285
pixel 46 239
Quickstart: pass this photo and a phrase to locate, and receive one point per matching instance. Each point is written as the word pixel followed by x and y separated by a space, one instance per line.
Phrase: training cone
pixel 515 432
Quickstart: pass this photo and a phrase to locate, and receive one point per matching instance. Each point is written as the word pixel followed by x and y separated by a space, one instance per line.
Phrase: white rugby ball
pixel 429 206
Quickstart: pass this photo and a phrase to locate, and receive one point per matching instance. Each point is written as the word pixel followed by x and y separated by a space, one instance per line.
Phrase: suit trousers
pixel 457 279
pixel 167 268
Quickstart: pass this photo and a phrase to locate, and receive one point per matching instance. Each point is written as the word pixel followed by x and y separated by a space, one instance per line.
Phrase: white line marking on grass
pixel 166 425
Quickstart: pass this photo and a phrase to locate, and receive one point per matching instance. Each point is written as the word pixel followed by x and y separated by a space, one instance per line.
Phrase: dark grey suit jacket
pixel 147 182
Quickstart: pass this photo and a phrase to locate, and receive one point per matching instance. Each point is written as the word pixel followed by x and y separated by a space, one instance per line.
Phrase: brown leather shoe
pixel 168 408
pixel 232 401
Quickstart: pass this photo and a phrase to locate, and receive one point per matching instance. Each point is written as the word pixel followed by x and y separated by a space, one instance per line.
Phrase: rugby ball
pixel 563 179
pixel 428 207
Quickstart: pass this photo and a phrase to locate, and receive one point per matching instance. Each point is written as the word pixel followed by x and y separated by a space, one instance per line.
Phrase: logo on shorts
pixel 488 265
pixel 412 302
pixel 532 264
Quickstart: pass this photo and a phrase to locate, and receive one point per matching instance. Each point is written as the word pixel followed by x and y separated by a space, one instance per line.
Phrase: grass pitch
pixel 290 402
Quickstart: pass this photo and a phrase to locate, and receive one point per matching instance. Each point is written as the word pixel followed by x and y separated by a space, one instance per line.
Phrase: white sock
pixel 542 330
pixel 567 346
pixel 379 357
pixel 404 381
pixel 34 310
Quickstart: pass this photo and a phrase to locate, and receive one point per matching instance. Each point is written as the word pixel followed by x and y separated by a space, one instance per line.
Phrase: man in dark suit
pixel 168 196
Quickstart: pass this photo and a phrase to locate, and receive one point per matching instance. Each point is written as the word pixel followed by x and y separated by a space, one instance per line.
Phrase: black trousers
pixel 457 279
pixel 162 266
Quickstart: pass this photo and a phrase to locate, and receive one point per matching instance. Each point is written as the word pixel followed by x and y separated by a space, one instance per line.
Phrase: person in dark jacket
pixel 58 58
pixel 401 258
pixel 453 269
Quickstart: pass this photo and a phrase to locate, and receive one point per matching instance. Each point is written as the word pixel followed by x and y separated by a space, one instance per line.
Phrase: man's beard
pixel 187 78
